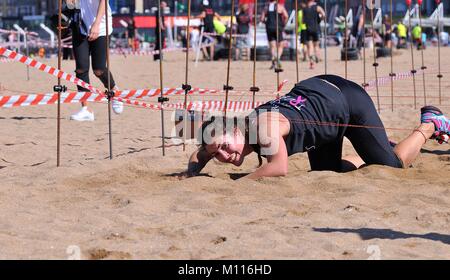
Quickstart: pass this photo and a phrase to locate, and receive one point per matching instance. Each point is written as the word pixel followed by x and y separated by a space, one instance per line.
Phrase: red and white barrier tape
pixel 47 69
pixel 48 99
pixel 122 51
pixel 45 43
pixel 5 60
pixel 75 97
pixel 226 34
pixel 233 106
pixel 16 32
pixel 141 53
pixel 141 93
pixel 387 79
pixel 123 94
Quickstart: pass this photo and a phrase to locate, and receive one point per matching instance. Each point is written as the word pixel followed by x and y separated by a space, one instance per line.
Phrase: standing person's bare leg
pixel 211 50
pixel 280 48
pixel 273 53
pixel 280 53
pixel 317 51
pixel 310 51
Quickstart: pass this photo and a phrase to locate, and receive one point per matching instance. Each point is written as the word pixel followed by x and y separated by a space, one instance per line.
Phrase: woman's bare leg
pixel 408 149
pixel 351 162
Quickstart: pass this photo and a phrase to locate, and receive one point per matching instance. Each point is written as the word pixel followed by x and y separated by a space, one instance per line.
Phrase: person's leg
pixel 408 149
pixel 433 124
pixel 327 157
pixel 310 48
pixel 98 54
pixel 273 52
pixel 317 51
pixel 273 49
pixel 280 46
pixel 211 52
pixel 247 46
pixel 303 42
pixel 370 139
pixel 280 49
pixel 81 55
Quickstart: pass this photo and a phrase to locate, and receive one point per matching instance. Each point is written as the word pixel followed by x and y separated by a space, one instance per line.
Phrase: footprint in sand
pixel 120 202
pixel 101 254
pixel 114 236
pixel 351 208
pixel 444 158
pixel 218 240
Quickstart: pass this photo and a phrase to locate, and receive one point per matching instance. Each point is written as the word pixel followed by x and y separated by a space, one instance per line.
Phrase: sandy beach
pixel 134 207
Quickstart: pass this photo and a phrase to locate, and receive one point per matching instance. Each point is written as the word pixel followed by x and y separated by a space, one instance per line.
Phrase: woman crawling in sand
pixel 314 117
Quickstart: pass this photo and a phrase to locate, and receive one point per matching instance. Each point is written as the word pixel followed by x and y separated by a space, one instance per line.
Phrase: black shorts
pixel 272 35
pixel 303 37
pixel 371 144
pixel 312 36
pixel 387 37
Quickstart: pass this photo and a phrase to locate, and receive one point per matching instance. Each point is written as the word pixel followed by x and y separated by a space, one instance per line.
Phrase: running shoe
pixel 273 64
pixel 431 114
pixel 316 59
pixel 117 106
pixel 83 115
pixel 279 64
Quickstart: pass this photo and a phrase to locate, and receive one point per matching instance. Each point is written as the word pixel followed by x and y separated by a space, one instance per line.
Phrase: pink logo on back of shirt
pixel 300 100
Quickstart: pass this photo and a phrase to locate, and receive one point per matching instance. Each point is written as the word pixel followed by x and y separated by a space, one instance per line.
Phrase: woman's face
pixel 228 148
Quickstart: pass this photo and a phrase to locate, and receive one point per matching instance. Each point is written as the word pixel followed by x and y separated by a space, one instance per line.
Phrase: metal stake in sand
pixel 254 89
pixel 413 70
pixel 423 67
pixel 392 74
pixel 161 98
pixel 27 51
pixel 109 94
pixel 440 76
pixel 375 64
pixel 24 33
pixel 227 86
pixel 296 40
pixel 58 88
pixel 346 37
pixel 186 86
pixel 277 68
pixel 364 42
pixel 325 20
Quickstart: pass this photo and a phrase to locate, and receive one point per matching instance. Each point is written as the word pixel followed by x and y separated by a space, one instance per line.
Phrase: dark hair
pixel 224 122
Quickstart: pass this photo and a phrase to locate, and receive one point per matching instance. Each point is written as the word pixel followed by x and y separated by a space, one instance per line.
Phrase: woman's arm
pixel 277 164
pixel 95 28
pixel 285 15
pixel 263 16
pixel 272 128
pixel 321 12
pixel 198 161
pixel 202 15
